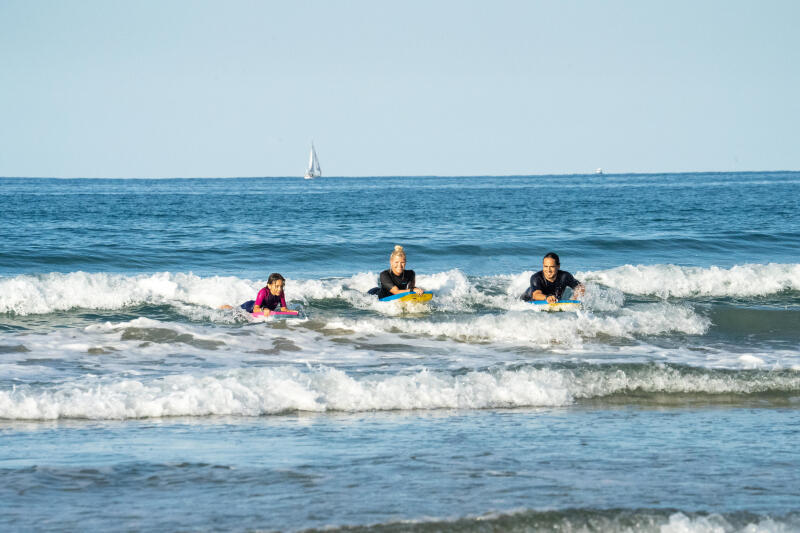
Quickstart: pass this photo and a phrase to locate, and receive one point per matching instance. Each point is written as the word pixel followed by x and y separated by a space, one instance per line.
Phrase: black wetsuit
pixel 538 283
pixel 388 280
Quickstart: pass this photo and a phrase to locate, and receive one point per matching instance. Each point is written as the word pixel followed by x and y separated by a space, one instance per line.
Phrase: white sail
pixel 317 170
pixel 314 170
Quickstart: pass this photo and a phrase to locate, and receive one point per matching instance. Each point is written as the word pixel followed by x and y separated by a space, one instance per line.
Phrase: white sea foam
pixel 29 294
pixel 646 521
pixel 39 294
pixel 157 346
pixel 667 281
pixel 455 292
pixel 751 361
pixel 542 328
pixel 264 391
pixel 147 347
pixel 277 390
pixel 715 523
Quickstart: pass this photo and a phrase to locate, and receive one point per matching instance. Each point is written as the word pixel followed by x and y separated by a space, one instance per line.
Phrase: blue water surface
pixel 130 401
pixel 340 226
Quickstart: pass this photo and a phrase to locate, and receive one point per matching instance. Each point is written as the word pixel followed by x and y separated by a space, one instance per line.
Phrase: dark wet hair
pixel 553 255
pixel 275 277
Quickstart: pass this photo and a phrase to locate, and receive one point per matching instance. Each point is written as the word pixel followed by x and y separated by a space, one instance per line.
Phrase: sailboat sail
pixel 314 170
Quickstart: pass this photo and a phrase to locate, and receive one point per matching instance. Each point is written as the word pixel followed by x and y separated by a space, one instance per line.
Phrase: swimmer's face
pixel 276 287
pixel 398 264
pixel 549 268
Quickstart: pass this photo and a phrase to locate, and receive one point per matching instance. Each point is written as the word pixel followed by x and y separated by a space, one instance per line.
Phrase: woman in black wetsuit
pixel 397 279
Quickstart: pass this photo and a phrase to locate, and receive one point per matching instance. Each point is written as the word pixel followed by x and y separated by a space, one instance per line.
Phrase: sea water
pixel 670 402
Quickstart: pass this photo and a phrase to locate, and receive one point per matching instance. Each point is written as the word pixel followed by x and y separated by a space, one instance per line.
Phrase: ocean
pixel 129 401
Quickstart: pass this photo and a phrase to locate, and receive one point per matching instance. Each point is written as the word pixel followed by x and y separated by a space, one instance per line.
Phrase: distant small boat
pixel 598 171
pixel 313 165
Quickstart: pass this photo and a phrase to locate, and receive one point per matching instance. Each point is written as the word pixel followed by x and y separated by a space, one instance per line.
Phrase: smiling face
pixel 549 268
pixel 398 264
pixel 276 287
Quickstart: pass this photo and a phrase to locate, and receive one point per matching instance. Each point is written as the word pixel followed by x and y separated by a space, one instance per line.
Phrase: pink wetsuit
pixel 268 300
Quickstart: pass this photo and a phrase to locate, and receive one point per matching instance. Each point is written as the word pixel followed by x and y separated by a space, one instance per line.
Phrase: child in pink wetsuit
pixel 270 298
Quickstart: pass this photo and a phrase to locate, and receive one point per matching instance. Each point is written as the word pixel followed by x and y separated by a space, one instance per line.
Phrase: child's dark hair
pixel 553 255
pixel 275 277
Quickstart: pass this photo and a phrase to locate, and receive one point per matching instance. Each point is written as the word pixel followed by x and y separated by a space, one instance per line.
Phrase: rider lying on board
pixel 550 282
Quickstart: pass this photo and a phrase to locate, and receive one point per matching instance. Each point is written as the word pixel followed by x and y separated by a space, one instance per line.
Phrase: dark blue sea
pixel 670 402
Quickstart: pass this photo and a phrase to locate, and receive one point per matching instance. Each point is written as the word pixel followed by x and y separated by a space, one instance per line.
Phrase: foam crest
pixel 278 390
pixel 715 523
pixel 672 281
pixel 454 292
pixel 46 293
pixel 504 291
pixel 39 294
pixel 342 288
pixel 266 391
pixel 539 328
pixel 593 520
pixel 517 284
pixel 598 383
pixel 194 296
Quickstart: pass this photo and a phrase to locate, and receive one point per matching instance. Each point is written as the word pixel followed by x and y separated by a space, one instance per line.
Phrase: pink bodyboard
pixel 279 313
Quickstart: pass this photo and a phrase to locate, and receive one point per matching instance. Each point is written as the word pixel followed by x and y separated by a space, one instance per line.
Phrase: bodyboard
pixel 287 314
pixel 408 297
pixel 561 305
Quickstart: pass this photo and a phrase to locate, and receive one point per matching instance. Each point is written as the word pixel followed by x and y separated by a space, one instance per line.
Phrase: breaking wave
pixel 596 520
pixel 269 391
pixel 672 281
pixel 542 329
pixel 455 291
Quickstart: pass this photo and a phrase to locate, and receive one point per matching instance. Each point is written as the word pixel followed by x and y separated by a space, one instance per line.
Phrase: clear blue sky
pixel 240 88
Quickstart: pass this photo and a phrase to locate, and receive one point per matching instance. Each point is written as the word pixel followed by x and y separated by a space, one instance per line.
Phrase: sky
pixel 180 88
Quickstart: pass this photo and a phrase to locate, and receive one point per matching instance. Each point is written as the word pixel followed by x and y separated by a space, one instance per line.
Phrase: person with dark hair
pixel 270 298
pixel 550 282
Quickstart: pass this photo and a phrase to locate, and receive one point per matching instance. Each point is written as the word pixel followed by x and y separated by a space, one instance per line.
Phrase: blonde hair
pixel 398 251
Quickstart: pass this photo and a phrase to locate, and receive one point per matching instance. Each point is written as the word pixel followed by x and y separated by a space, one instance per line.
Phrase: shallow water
pixel 312 470
pixel 669 402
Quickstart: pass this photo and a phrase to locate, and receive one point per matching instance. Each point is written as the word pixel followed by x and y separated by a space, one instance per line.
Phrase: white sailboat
pixel 313 165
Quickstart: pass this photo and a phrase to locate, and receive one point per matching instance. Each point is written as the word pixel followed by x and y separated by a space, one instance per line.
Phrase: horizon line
pixel 650 173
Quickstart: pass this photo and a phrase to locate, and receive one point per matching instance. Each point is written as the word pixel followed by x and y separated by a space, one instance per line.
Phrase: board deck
pixel 561 305
pixel 408 297
pixel 278 313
